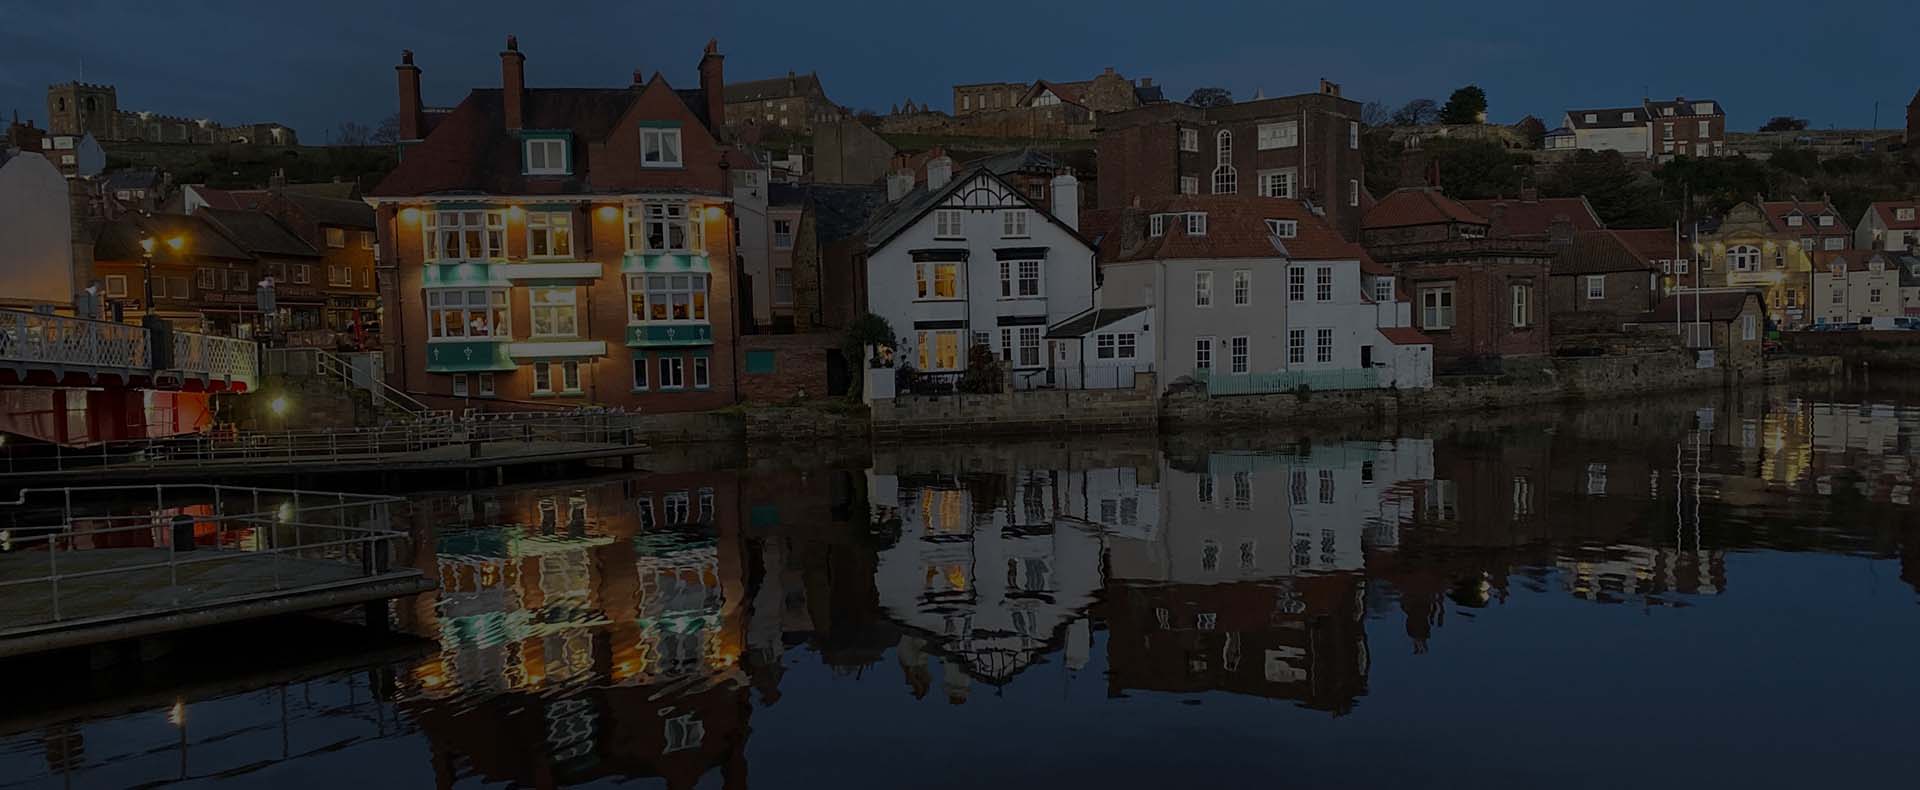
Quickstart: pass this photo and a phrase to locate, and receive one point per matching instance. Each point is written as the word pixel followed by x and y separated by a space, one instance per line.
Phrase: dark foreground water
pixel 1699 591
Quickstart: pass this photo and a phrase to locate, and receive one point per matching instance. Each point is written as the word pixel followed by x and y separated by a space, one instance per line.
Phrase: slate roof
pixel 1909 270
pixel 1777 212
pixel 1653 244
pixel 1682 108
pixel 1236 228
pixel 1886 209
pixel 131 179
pixel 839 211
pixel 896 217
pixel 337 190
pixel 1409 206
pixel 258 233
pixel 1148 94
pixel 1405 336
pixel 786 194
pixel 1597 252
pixel 1084 323
pixel 1025 160
pixel 788 87
pixel 1715 307
pixel 1533 218
pixel 329 211
pixel 1606 118
pixel 470 150
pixel 119 240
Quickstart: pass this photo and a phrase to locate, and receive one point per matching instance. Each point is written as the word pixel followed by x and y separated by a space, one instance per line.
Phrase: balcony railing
pixel 64 341
pixel 1289 381
pixel 214 358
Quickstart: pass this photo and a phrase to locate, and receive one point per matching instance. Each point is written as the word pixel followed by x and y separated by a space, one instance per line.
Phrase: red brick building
pixel 562 245
pixel 1305 147
pixel 1481 298
pixel 1685 127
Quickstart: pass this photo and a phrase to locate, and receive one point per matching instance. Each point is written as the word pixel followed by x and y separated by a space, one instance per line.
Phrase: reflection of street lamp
pixel 146 269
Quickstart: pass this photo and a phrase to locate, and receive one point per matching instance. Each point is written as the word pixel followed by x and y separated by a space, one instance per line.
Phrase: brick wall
pixel 798 366
pixel 1061 121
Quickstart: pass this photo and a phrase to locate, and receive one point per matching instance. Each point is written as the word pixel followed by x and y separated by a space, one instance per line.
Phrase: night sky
pixel 233 62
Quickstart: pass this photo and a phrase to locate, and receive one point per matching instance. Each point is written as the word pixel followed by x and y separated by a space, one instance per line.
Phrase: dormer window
pixel 1593 117
pixel 545 156
pixel 660 147
pixel 1903 214
pixel 1157 225
pixel 1196 223
pixel 1793 221
pixel 1626 117
pixel 1826 221
pixel 1283 228
pixel 1703 108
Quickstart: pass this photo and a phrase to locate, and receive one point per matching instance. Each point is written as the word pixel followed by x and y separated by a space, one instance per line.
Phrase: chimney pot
pixel 1109 70
pixel 513 44
pixel 714 85
pixel 406 57
pixel 412 112
pixel 513 83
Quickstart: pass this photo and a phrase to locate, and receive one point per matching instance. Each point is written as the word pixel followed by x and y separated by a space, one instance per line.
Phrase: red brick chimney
pixel 410 108
pixel 714 84
pixel 513 83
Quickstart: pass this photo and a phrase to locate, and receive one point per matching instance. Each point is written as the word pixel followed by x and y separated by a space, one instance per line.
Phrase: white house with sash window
pixel 970 261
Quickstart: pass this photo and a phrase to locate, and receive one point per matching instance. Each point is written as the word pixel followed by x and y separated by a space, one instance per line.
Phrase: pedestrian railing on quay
pixel 323 447
pixel 1288 381
pixel 83 553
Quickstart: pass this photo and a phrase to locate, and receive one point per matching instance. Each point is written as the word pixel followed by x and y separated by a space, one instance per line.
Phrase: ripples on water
pixel 1696 590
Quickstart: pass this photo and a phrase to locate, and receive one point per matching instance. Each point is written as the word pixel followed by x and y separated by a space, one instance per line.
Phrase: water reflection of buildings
pixel 598 631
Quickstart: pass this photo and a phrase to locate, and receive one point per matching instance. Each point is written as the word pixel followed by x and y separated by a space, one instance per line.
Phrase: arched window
pixel 1744 258
pixel 1225 180
pixel 60 104
pixel 91 104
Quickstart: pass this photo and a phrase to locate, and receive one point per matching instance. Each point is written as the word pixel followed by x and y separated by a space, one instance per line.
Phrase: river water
pixel 1699 590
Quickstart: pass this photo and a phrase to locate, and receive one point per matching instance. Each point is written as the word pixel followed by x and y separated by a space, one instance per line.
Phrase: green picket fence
pixel 1289 381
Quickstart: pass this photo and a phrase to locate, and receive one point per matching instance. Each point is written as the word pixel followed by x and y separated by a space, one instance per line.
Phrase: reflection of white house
pixel 1117 499
pixel 970 261
pixel 988 584
pixel 36 240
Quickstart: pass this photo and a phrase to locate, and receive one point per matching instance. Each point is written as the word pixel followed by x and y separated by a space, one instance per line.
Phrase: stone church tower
pixel 79 108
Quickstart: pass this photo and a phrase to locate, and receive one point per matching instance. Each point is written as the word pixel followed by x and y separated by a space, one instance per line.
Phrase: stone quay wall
pixel 1884 350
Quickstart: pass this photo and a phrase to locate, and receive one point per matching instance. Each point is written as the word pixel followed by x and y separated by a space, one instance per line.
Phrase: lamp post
pixel 146 271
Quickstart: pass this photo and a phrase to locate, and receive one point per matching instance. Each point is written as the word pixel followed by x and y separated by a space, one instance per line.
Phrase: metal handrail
pixel 331 366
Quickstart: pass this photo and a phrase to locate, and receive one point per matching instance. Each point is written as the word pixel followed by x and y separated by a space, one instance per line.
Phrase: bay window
pixel 466 235
pixel 939 350
pixel 554 310
pixel 664 227
pixel 936 280
pixel 1019 279
pixel 471 313
pixel 666 297
pixel 549 234
pixel 1029 347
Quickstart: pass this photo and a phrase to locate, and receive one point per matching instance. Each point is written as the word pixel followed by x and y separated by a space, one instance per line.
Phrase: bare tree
pixel 388 132
pixel 1375 114
pixel 352 134
pixel 1419 112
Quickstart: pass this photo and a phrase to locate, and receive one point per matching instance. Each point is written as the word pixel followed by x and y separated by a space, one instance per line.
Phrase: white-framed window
pixel 1013 224
pixel 1706 129
pixel 1190 140
pixel 1203 353
pixel 1353 192
pixel 460 385
pixel 1116 345
pixel 570 376
pixel 366 240
pixel 1196 223
pixel 1840 295
pixel 1666 133
pixel 1277 183
pixel 782 234
pixel 1833 242
pixel 466 313
pixel 1285 134
pixel 936 280
pixel 1323 284
pixel 1806 243
pixel 1225 180
pixel 1296 347
pixel 1242 287
pixel 673 373
pixel 1353 135
pixel 554 310
pixel 117 284
pixel 339 275
pixel 209 279
pixel 1020 279
pixel 947 224
pixel 1596 286
pixel 1296 283
pixel 640 370
pixel 1238 354
pixel 1522 304
pixel 1825 220
pixel 545 156
pixel 1029 347
pixel 1203 289
pixel 1744 258
pixel 1157 225
pixel 1903 214
pixel 1383 289
pixel 302 274
pixel 1626 117
pixel 1436 307
pixel 1591 117
pixel 783 286
pixel 659 147
pixel 655 298
pixel 1873 295
pixel 1323 346
pixel 701 378
pixel 1189 185
pixel 664 227
pixel 549 234
pixel 466 235
pixel 1793 220
pixel 1749 327
pixel 1284 228
pixel 543 378
pixel 486 385
pixel 336 237
pixel 1680 265
pixel 939 349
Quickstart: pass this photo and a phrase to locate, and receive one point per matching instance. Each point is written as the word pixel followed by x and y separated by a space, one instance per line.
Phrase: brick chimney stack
pixel 411 111
pixel 513 83
pixel 714 84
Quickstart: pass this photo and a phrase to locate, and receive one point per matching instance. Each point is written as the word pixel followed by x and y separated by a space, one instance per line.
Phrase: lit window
pixel 336 237
pixel 1283 228
pixel 936 280
pixel 453 313
pixel 466 235
pixel 546 156
pixel 554 310
pixel 939 350
pixel 660 147
pixel 666 297
pixel 549 234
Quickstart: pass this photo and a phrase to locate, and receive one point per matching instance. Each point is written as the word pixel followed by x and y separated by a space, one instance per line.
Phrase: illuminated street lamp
pixel 146 268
